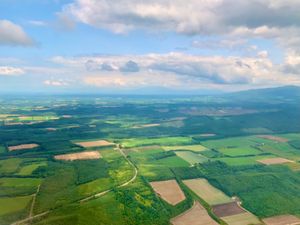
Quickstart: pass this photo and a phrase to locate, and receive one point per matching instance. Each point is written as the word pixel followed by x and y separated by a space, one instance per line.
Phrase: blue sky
pixel 129 45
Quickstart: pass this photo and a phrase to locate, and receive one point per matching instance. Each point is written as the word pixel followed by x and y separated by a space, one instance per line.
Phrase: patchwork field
pixel 22 147
pixel 207 192
pixel 169 190
pixel 92 144
pixel 91 167
pixel 197 215
pixel 282 220
pixel 79 156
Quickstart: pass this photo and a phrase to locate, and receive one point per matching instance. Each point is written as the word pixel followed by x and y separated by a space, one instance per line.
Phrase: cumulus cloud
pixel 10 71
pixel 13 35
pixel 192 17
pixel 130 67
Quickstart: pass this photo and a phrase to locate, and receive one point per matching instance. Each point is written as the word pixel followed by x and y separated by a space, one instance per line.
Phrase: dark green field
pixel 223 145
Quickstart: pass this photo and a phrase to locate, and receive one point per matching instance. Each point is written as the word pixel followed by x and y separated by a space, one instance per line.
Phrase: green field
pixel 9 166
pixel 13 205
pixel 28 169
pixel 207 192
pixel 191 157
pixel 130 143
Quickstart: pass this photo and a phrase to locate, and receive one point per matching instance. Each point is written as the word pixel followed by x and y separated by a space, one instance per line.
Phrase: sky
pixel 148 46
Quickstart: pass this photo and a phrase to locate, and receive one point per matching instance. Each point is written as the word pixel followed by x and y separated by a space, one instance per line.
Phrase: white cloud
pixel 56 83
pixel 192 17
pixel 13 35
pixel 181 69
pixel 10 71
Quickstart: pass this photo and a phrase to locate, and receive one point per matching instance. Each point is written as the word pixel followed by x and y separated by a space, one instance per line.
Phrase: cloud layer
pixel 182 70
pixel 13 35
pixel 192 17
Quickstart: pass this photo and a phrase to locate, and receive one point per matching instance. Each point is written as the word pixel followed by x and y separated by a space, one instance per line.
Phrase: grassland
pixel 191 157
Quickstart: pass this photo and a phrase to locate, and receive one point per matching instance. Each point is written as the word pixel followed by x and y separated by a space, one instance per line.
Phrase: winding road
pixel 97 195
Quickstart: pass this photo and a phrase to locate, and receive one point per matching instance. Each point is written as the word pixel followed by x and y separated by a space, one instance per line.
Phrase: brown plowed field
pixel 282 220
pixel 168 190
pixel 227 209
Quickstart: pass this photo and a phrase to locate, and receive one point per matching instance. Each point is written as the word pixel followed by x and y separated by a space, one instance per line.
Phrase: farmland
pixel 105 160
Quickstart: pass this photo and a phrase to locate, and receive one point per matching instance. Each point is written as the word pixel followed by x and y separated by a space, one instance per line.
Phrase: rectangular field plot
pixel 191 157
pixel 228 209
pixel 172 161
pixel 274 161
pixel 282 220
pixel 197 215
pixel 239 151
pixel 196 148
pixel 207 192
pixel 240 161
pixel 169 190
pixel 22 147
pixel 245 218
pixel 79 156
pixel 9 166
pixel 92 144
pixel 13 205
pixel 273 138
pixel 163 141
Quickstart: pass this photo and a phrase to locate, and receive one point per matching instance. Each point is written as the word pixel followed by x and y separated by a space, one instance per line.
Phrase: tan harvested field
pixel 242 219
pixel 207 192
pixel 91 144
pixel 79 156
pixel 169 190
pixel 197 215
pixel 22 147
pixel 273 138
pixel 227 209
pixel 274 161
pixel 282 220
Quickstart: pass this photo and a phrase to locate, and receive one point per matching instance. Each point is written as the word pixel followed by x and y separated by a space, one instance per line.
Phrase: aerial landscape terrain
pixel 149 112
pixel 225 159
